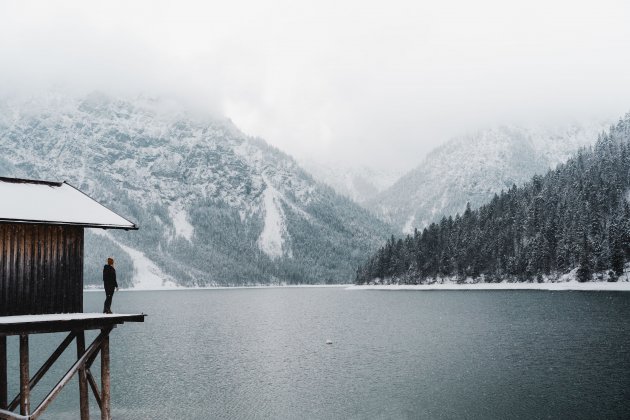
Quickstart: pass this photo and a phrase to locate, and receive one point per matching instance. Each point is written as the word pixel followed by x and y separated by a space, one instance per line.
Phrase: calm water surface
pixel 262 354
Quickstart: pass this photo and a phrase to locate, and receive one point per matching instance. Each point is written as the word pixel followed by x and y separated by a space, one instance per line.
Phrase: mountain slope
pixel 360 183
pixel 471 169
pixel 214 206
pixel 574 219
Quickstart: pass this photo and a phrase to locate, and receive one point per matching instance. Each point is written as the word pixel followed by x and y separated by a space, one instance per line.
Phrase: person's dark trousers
pixel 109 294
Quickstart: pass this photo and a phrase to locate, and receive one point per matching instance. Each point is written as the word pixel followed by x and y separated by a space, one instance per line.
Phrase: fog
pixel 356 82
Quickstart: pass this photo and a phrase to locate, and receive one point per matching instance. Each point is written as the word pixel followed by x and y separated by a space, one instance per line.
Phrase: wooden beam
pixel 7 327
pixel 95 391
pixel 9 415
pixel 45 367
pixel 4 390
pixel 90 361
pixel 105 389
pixel 84 401
pixel 25 389
pixel 68 376
pixel 91 380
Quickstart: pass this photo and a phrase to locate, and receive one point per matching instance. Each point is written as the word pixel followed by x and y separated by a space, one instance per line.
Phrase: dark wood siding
pixel 41 269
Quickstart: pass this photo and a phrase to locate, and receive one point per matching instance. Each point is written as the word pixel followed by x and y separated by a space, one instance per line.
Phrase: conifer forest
pixel 574 218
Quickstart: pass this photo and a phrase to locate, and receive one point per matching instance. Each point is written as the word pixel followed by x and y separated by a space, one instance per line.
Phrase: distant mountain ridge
pixel 475 167
pixel 215 207
pixel 360 183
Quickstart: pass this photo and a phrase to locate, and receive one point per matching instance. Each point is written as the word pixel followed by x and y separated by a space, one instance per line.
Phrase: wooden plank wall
pixel 41 269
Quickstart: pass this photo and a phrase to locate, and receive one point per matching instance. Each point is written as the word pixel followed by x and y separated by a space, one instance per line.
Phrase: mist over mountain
pixel 475 167
pixel 214 206
pixel 360 183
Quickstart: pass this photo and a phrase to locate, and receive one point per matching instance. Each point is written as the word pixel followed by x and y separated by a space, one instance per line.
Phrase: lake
pixel 262 354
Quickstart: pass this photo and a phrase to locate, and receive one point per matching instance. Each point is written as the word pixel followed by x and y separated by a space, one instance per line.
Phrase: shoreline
pixel 262 286
pixel 623 286
pixel 560 286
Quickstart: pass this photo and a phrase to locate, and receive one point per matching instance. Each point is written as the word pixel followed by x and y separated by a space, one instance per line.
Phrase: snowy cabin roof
pixel 55 203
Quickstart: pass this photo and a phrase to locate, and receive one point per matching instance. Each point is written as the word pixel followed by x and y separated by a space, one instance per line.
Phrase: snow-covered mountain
pixel 214 206
pixel 360 183
pixel 474 167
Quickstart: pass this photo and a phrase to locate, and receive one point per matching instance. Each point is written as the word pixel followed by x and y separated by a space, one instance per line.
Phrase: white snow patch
pixel 409 225
pixel 272 239
pixel 146 274
pixel 182 226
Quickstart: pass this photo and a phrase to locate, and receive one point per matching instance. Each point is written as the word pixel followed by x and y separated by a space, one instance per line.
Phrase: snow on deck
pixel 20 319
pixel 23 201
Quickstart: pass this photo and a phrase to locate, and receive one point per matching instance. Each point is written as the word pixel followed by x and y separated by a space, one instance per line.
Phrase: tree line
pixel 575 217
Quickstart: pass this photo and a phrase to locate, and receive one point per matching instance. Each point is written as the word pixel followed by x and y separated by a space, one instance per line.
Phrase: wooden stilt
pixel 4 391
pixel 83 384
pixel 25 389
pixel 71 372
pixel 105 395
pixel 45 367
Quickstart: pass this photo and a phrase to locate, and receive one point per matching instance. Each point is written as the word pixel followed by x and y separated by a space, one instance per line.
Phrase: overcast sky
pixel 367 82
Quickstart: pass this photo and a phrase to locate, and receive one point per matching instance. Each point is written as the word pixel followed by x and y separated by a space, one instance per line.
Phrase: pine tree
pixel 584 271
pixel 617 255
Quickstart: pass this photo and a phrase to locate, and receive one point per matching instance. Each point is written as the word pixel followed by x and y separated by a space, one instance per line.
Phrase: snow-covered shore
pixel 92 288
pixel 569 285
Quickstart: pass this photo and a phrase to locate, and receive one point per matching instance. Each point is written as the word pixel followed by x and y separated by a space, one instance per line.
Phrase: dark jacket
pixel 109 278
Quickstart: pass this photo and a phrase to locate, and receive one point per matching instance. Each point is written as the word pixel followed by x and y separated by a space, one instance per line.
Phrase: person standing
pixel 109 281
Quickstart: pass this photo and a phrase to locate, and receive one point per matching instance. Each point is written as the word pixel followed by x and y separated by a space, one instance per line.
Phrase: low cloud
pixel 375 83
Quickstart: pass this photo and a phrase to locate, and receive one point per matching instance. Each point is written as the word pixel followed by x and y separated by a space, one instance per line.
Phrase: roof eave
pixel 90 197
pixel 84 225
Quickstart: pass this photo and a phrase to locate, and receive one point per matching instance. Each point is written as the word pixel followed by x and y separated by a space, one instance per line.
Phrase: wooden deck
pixel 40 324
pixel 75 324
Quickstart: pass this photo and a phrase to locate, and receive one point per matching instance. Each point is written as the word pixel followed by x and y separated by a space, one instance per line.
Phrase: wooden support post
pixel 71 372
pixel 4 391
pixel 25 389
pixel 105 391
pixel 84 402
pixel 45 367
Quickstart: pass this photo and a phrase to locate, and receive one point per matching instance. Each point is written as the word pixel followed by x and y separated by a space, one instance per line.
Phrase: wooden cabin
pixel 41 245
pixel 41 289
